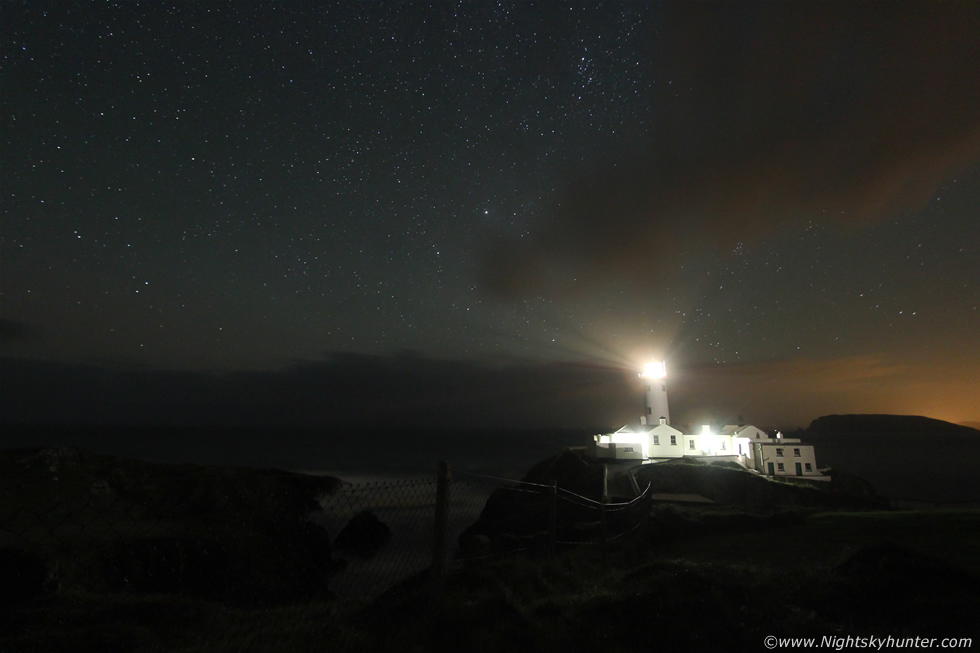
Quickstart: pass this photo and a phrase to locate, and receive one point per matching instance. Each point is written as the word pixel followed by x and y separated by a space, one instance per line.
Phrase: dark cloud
pixel 406 390
pixel 17 331
pixel 769 115
pixel 346 389
pixel 781 393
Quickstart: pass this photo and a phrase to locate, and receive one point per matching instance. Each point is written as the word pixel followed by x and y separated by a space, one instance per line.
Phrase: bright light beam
pixel 654 370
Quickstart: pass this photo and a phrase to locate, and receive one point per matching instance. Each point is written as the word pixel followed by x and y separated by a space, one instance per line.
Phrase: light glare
pixel 654 371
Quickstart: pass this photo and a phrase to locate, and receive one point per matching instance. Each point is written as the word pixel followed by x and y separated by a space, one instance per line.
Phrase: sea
pixel 354 454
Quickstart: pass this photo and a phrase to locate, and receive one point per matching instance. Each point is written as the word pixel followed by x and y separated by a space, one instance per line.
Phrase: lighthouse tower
pixel 655 377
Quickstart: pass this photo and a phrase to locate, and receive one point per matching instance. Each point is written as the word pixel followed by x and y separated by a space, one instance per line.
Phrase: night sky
pixel 488 213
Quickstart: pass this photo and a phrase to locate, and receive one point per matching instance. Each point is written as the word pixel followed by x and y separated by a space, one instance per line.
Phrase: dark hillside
pixel 731 484
pixel 891 424
pixel 903 456
pixel 95 523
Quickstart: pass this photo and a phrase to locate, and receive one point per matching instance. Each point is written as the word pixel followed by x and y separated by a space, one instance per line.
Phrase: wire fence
pixel 256 549
pixel 392 530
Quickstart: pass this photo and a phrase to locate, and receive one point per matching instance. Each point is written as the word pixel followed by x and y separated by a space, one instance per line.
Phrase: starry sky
pixel 488 213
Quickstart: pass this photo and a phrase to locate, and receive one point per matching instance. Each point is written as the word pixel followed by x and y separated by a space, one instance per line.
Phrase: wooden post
pixel 605 481
pixel 553 519
pixel 439 530
pixel 605 531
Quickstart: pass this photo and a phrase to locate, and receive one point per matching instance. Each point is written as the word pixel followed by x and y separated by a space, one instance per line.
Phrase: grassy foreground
pixel 706 579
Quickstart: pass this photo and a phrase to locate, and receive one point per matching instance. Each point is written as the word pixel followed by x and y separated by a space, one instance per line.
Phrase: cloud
pixel 17 331
pixel 789 393
pixel 769 115
pixel 365 394
pixel 351 390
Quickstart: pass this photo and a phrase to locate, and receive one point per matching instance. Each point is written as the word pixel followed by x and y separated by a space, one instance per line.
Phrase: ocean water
pixel 354 454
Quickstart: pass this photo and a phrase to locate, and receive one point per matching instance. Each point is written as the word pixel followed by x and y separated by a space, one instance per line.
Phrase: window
pixel 808 467
pixel 673 440
pixel 780 468
pixel 627 449
pixel 690 445
pixel 649 411
pixel 779 452
pixel 656 440
pixel 723 447
pixel 796 452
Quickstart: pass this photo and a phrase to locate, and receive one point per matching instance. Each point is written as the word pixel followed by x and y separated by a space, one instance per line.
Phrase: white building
pixel 747 445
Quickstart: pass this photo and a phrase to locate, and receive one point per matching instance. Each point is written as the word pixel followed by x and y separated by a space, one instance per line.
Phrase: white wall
pixel 708 444
pixel 786 453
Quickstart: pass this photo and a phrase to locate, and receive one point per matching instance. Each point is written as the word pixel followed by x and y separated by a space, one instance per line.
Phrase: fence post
pixel 553 519
pixel 605 531
pixel 439 530
pixel 602 517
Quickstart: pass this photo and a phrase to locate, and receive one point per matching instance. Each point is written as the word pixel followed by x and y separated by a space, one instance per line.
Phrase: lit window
pixel 656 440
pixel 780 468
pixel 673 440
pixel 796 452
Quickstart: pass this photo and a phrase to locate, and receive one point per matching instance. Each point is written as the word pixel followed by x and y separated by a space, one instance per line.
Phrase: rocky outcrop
pixel 239 535
pixel 363 536
pixel 518 517
pixel 248 568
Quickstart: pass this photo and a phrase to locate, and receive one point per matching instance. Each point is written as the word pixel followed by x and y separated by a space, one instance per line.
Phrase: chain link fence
pixel 384 531
pixel 209 537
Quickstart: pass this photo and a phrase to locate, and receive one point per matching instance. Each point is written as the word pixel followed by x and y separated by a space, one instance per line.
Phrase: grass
pixel 690 580
pixel 824 538
pixel 150 623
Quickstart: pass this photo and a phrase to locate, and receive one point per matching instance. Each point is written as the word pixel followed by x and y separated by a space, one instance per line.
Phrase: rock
pixel 363 536
pixel 512 515
pixel 288 563
pixel 572 471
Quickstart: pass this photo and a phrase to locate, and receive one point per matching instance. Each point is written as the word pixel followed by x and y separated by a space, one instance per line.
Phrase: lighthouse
pixel 655 377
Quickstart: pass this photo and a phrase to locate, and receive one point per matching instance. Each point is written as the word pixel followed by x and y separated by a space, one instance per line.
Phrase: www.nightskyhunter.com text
pixel 839 643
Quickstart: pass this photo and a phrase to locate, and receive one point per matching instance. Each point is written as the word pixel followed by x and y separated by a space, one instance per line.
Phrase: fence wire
pixel 361 540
